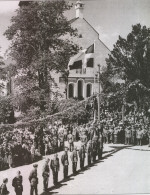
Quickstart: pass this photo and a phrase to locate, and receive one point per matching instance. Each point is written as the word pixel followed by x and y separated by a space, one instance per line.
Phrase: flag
pixel 89 57
pixel 76 61
pixel 83 59
pixel 90 49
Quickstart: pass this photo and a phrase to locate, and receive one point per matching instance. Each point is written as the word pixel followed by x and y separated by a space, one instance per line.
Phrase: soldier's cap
pixel 5 180
pixel 35 165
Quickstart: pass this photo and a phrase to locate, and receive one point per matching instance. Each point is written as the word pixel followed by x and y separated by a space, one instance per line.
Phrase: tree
pixel 78 112
pixel 38 48
pixel 2 73
pixel 128 67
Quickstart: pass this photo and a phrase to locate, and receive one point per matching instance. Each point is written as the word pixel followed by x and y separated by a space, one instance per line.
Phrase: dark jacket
pixel 55 165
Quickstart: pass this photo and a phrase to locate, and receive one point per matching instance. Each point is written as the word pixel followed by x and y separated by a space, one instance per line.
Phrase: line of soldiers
pixel 92 147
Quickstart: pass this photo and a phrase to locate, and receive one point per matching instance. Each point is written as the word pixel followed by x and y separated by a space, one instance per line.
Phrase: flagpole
pixel 94 81
pixel 94 69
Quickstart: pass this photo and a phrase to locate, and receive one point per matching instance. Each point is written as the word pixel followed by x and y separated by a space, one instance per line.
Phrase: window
pixel 89 90
pixel 76 65
pixel 80 89
pixel 90 62
pixel 71 90
pixel 80 35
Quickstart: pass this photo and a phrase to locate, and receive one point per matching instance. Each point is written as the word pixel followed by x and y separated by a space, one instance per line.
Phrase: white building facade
pixel 83 67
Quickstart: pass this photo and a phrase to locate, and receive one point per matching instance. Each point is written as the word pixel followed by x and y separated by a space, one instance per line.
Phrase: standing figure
pixel 3 187
pixel 148 133
pixel 82 156
pixel 61 141
pixel 128 135
pixel 100 145
pixel 84 139
pixel 106 134
pixel 33 180
pixel 133 134
pixel 65 162
pixel 139 136
pixel 70 141
pixel 89 152
pixel 17 183
pixel 45 174
pixel 95 141
pixel 74 159
pixel 116 135
pixel 55 168
pixel 111 134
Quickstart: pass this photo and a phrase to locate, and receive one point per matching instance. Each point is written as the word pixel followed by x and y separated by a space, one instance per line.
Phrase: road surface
pixel 122 170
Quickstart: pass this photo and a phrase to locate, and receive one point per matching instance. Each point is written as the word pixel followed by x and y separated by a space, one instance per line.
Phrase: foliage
pixel 6 110
pixel 77 114
pixel 128 67
pixel 38 48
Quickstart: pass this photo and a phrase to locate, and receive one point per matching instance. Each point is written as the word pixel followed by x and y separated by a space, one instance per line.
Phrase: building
pixel 83 67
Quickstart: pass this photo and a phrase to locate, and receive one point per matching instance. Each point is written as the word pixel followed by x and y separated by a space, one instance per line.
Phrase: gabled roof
pixel 74 19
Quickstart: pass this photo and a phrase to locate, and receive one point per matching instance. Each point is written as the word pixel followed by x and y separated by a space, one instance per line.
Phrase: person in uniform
pixel 91 133
pixel 61 141
pixel 133 134
pixel 95 144
pixel 3 187
pixel 139 136
pixel 55 168
pixel 33 180
pixel 82 156
pixel 74 133
pixel 115 135
pixel 111 134
pixel 84 139
pixel 128 135
pixel 65 162
pixel 100 145
pixel 17 183
pixel 45 174
pixel 148 133
pixel 89 152
pixel 74 159
pixel 144 135
pixel 70 141
pixel 106 134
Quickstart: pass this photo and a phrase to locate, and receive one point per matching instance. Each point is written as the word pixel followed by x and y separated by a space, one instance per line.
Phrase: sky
pixel 110 18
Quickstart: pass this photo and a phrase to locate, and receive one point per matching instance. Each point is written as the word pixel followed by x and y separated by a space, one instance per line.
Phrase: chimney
pixel 79 6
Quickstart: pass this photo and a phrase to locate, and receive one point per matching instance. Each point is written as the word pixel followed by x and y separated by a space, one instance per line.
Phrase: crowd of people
pixel 23 146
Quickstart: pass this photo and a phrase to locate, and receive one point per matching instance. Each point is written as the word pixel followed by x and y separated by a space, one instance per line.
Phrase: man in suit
pixel 55 168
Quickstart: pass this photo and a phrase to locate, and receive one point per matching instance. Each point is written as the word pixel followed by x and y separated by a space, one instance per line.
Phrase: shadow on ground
pixel 63 182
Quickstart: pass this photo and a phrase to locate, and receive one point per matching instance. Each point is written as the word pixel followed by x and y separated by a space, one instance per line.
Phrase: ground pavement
pixel 123 169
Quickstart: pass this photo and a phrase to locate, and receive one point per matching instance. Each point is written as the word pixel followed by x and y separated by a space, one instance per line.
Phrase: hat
pixel 35 165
